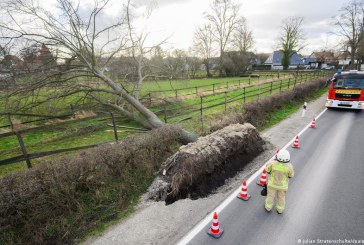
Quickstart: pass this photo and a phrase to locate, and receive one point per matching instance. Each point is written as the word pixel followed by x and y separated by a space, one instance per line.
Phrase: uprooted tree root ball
pixel 199 167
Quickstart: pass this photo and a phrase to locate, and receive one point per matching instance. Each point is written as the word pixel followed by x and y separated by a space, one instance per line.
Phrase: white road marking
pixel 187 238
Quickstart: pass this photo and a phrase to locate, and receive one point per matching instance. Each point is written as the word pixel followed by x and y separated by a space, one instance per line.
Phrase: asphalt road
pixel 325 200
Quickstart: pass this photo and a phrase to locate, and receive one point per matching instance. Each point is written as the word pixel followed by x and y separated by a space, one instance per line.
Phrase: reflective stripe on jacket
pixel 279 174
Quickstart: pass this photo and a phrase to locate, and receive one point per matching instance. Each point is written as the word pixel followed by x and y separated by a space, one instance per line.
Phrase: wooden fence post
pixel 165 112
pixel 201 106
pixel 150 99
pixel 271 87
pixel 289 81
pixel 213 88
pixel 227 85
pixel 196 90
pixel 114 126
pixel 176 93
pixel 21 142
pixel 244 95
pixel 225 100
pixel 201 115
pixel 72 109
pixel 280 86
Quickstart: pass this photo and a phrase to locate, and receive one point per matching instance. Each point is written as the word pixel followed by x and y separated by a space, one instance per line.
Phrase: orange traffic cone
pixel 244 195
pixel 215 231
pixel 263 178
pixel 295 143
pixel 313 124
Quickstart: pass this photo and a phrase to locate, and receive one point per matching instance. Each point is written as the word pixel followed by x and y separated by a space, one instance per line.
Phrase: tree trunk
pixel 149 116
pixel 220 65
pixel 352 60
pixel 208 73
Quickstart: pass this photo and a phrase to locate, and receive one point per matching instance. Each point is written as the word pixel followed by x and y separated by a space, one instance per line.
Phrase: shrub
pixel 60 200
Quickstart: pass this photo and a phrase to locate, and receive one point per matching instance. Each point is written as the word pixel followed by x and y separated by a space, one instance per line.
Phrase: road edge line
pixel 197 228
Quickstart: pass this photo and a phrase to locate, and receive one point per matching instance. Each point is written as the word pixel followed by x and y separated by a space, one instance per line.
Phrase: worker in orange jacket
pixel 280 170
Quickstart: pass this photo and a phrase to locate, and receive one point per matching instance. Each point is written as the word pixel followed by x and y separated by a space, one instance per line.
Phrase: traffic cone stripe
pixel 263 178
pixel 244 195
pixel 295 143
pixel 313 124
pixel 215 230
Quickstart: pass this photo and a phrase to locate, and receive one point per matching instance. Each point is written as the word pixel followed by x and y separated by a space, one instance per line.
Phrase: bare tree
pixel 243 42
pixel 291 38
pixel 203 45
pixel 224 20
pixel 140 50
pixel 350 25
pixel 175 64
pixel 243 37
pixel 92 40
pixel 193 66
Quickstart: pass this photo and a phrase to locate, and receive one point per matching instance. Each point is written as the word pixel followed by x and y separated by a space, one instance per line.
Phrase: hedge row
pixel 60 200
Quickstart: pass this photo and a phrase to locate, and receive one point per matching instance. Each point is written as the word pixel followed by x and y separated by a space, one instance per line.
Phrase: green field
pixel 95 129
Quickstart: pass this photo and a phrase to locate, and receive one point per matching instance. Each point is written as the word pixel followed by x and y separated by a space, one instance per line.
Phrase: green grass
pixel 289 109
pixel 75 133
pixel 211 103
pixel 68 135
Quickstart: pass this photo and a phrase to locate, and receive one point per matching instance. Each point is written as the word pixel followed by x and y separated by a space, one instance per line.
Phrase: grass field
pixel 95 130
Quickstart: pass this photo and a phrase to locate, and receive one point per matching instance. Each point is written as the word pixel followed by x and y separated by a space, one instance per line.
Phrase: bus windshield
pixel 357 83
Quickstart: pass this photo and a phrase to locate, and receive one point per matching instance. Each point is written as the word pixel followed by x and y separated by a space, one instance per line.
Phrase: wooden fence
pixel 28 156
pixel 169 113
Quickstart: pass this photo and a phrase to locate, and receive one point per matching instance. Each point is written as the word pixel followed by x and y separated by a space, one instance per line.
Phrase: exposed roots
pixel 198 168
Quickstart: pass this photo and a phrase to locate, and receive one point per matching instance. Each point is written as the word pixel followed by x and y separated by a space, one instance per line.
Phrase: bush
pixel 258 112
pixel 60 200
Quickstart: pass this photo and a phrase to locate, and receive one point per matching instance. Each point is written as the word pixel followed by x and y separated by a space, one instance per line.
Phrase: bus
pixel 346 90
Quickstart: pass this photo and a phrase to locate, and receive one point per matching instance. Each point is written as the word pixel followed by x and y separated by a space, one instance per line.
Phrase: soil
pixel 200 167
pixel 157 223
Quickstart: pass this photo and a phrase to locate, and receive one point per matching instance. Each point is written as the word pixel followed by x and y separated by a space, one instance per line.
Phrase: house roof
pixel 275 59
pixel 323 56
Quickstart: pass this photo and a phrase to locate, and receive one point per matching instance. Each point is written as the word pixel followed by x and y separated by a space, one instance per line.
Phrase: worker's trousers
pixel 281 199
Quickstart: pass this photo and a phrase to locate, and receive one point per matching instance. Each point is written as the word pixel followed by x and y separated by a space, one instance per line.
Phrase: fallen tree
pixel 199 167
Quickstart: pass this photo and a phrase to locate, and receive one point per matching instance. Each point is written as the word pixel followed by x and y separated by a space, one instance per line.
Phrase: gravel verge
pixel 156 223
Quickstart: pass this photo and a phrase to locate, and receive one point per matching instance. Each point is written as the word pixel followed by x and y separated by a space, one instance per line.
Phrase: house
pixel 275 60
pixel 320 60
pixel 12 63
pixel 344 61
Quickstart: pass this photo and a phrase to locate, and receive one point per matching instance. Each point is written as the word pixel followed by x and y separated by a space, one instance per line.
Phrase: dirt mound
pixel 199 167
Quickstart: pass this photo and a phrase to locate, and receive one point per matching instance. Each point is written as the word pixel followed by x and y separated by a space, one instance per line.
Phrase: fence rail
pixel 28 156
pixel 246 94
pixel 171 113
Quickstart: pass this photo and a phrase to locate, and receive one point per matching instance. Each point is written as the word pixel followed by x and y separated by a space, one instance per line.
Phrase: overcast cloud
pixel 181 17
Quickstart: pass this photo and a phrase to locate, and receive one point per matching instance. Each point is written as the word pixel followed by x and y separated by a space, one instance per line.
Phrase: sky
pixel 178 19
